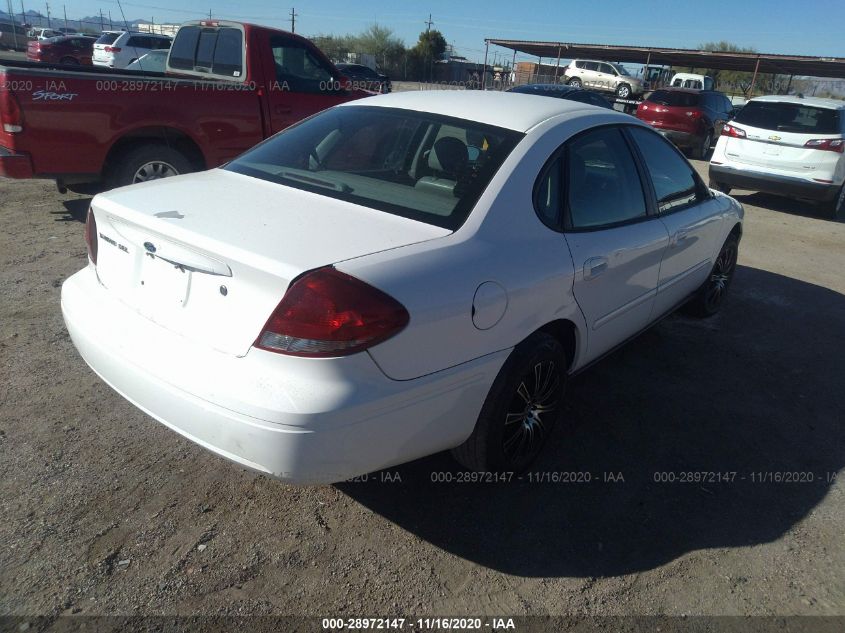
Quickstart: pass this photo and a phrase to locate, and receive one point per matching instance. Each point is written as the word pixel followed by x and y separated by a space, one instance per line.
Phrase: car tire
pixel 574 82
pixel 837 207
pixel 148 162
pixel 709 298
pixel 623 91
pixel 700 152
pixel 521 409
pixel 719 186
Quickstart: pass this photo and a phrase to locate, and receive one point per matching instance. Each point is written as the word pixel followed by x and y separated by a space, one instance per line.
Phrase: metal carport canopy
pixel 655 56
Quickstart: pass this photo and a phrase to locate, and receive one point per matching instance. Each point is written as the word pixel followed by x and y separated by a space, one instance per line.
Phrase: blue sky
pixel 811 27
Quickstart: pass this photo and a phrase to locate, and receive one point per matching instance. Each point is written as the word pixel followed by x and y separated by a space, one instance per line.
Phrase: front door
pixel 304 83
pixel 686 208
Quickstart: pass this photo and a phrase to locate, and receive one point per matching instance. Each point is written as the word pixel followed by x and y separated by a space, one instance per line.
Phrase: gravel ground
pixel 105 511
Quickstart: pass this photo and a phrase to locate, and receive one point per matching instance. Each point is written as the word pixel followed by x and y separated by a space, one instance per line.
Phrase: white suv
pixel 118 49
pixel 793 146
pixel 603 76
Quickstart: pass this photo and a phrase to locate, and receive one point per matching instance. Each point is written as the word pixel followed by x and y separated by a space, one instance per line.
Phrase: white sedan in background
pixel 394 277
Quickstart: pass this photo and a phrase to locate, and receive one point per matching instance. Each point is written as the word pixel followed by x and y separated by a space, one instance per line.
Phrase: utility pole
pixel 428 42
pixel 102 26
pixel 12 26
pixel 111 26
pixel 209 14
pixel 23 14
pixel 293 15
pixel 64 8
pixel 49 23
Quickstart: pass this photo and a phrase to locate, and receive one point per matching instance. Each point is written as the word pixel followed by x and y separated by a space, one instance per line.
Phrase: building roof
pixel 510 110
pixel 769 63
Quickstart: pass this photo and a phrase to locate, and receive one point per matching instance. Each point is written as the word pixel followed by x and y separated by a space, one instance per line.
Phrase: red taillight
pixel 112 49
pixel 733 132
pixel 91 236
pixel 827 144
pixel 10 112
pixel 695 114
pixel 329 313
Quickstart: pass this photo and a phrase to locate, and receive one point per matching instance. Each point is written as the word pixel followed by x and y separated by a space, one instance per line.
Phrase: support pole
pixel 557 65
pixel 754 79
pixel 513 67
pixel 645 70
pixel 484 70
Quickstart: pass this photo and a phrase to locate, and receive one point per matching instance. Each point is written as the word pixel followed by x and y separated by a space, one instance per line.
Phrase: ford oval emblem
pixel 150 247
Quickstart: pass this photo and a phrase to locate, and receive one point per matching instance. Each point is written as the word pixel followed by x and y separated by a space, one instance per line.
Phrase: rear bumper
pixel 14 165
pixel 773 183
pixel 682 139
pixel 305 421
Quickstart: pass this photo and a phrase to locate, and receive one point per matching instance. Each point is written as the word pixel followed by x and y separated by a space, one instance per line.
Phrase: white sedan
pixel 394 277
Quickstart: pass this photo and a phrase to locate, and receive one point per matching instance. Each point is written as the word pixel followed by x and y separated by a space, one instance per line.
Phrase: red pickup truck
pixel 227 86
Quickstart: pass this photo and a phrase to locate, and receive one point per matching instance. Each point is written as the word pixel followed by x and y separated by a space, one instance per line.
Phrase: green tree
pixel 730 81
pixel 428 49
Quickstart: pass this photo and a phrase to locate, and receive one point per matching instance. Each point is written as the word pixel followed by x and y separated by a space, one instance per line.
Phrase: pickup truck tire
pixel 575 82
pixel 521 409
pixel 150 161
pixel 709 298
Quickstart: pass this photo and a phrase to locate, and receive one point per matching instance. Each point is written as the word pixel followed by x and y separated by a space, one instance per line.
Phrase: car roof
pixel 819 102
pixel 509 110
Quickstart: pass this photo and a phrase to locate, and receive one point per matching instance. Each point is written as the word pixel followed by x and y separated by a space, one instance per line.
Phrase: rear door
pixel 303 84
pixel 777 134
pixel 689 213
pixel 616 245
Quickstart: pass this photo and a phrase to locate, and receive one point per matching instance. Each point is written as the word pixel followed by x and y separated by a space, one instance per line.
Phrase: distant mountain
pixel 91 24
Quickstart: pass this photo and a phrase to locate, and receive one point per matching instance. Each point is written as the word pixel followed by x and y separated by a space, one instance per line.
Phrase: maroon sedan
pixel 69 49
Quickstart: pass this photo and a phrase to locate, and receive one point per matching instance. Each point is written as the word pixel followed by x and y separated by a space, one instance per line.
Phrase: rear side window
pixel 790 117
pixel 675 99
pixel 580 64
pixel 603 186
pixel 591 65
pixel 675 186
pixel 107 38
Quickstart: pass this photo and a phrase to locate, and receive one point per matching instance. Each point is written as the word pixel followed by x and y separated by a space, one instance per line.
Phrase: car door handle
pixel 594 267
pixel 681 235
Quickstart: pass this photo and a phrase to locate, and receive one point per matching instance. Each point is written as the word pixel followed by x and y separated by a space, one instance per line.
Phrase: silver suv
pixel 603 76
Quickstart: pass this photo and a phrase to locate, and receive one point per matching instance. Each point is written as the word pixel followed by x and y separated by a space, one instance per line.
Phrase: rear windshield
pixel 790 117
pixel 206 49
pixel 421 166
pixel 107 38
pixel 675 99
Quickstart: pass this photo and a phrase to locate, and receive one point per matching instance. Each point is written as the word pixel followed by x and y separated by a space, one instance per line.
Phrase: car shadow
pixel 748 395
pixel 76 210
pixel 782 204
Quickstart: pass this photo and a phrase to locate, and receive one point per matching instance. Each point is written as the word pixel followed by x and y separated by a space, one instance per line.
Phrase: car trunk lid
pixel 210 255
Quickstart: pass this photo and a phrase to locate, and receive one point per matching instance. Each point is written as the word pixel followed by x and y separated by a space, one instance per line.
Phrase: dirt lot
pixel 105 511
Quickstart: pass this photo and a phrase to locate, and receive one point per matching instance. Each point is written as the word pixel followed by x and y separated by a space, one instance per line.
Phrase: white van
pixel 690 80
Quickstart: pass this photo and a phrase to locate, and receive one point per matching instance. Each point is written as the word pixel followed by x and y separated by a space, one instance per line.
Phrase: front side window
pixel 603 187
pixel 675 185
pixel 297 66
pixel 421 166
